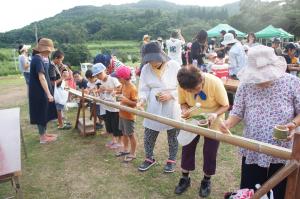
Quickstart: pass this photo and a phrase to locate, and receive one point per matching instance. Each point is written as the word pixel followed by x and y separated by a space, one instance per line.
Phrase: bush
pixel 75 53
pixel 135 59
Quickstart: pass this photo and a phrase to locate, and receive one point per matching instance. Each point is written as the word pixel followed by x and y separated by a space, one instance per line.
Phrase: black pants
pixel 253 174
pixel 111 120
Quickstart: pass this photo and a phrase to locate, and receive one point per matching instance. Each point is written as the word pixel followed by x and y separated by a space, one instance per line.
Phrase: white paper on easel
pixel 10 149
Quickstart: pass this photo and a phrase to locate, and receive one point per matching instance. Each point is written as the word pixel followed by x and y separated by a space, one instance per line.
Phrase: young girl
pixel 109 85
pixel 126 121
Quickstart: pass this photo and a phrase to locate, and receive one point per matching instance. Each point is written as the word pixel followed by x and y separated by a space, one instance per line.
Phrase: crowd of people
pixel 170 84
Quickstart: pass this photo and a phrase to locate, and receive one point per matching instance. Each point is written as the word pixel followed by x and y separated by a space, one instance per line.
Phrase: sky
pixel 17 14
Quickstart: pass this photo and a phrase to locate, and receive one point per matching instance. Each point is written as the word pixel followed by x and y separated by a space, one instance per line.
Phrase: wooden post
pixel 94 114
pixel 275 179
pixel 83 112
pixel 78 113
pixel 23 142
pixel 293 184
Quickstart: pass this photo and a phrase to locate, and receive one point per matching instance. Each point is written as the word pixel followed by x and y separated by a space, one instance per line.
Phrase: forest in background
pixel 157 18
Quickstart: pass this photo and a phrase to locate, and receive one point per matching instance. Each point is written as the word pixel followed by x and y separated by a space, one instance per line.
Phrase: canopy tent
pixel 270 31
pixel 215 31
pixel 286 34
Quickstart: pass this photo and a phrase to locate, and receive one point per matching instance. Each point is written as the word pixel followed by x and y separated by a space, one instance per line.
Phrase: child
pixel 108 86
pixel 93 85
pixel 126 121
pixel 57 75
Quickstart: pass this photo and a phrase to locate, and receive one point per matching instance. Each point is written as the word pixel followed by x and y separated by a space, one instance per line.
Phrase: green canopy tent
pixel 286 34
pixel 269 32
pixel 215 31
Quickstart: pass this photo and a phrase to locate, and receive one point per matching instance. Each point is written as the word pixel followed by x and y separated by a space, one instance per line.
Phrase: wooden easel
pixel 14 178
pixel 84 124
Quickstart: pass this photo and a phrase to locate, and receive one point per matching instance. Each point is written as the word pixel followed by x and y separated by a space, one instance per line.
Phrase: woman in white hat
pixel 266 97
pixel 41 102
pixel 24 63
pixel 237 55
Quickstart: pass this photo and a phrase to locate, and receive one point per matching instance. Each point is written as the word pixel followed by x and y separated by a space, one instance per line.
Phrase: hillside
pixel 126 22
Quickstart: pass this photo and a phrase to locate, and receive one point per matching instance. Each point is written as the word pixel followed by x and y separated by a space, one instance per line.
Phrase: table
pixel 10 148
pixel 231 85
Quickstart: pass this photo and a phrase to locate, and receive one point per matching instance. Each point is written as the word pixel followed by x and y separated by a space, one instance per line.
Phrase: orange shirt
pixel 130 92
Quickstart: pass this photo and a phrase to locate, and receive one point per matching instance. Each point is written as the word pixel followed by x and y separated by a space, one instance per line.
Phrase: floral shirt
pixel 263 108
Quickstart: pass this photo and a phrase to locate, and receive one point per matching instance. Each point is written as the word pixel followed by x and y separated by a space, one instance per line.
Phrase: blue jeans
pixel 27 77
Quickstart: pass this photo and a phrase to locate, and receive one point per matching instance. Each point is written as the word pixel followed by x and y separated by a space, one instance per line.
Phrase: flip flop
pixel 129 158
pixel 121 153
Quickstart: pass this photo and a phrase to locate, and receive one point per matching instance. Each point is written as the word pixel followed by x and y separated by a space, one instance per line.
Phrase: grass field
pixel 124 50
pixel 81 167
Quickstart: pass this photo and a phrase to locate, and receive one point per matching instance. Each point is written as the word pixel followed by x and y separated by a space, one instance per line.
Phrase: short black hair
pixel 57 54
pixel 223 32
pixel 174 34
pixel 189 77
pixel 221 54
pixel 76 72
pixel 89 74
pixel 232 32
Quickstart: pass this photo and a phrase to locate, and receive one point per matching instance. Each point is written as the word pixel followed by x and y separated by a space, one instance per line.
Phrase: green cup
pixel 203 123
pixel 280 132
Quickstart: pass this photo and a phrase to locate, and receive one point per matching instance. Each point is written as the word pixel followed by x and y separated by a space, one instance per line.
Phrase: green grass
pixel 81 167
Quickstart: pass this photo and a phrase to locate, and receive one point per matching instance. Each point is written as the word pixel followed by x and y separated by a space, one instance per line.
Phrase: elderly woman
pixel 158 88
pixel 41 102
pixel 267 96
pixel 209 91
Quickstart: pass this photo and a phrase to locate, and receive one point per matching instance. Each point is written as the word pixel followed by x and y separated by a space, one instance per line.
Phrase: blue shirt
pixel 237 58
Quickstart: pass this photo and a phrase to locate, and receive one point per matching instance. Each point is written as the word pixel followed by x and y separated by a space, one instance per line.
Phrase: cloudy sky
pixel 16 14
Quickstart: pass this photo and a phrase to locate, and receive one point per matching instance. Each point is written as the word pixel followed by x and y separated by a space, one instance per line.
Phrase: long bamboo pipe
pixel 261 147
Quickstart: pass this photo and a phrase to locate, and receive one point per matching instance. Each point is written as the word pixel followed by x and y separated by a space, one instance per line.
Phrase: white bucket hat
pixel 263 66
pixel 229 39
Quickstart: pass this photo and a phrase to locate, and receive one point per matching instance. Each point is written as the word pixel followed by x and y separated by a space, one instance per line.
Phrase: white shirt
pixel 175 49
pixel 110 83
pixel 150 85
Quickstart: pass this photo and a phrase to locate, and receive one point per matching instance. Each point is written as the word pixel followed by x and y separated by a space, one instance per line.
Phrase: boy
pixel 126 121
pixel 93 85
pixel 109 85
pixel 58 74
pixel 80 81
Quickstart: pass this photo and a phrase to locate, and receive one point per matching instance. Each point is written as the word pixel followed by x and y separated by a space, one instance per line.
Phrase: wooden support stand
pixel 14 179
pixel 291 170
pixel 84 124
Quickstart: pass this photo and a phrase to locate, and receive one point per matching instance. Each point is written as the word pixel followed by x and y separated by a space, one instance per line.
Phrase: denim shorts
pixel 59 107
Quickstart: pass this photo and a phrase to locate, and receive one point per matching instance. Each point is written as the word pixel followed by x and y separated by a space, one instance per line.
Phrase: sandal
pixel 121 153
pixel 51 135
pixel 129 158
pixel 64 127
pixel 47 140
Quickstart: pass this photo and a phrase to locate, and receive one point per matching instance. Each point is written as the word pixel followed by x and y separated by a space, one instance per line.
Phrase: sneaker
pixel 147 164
pixel 170 166
pixel 183 184
pixel 205 188
pixel 99 126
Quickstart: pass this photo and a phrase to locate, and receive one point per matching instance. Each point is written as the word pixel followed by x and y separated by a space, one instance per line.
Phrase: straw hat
pixel 263 66
pixel 45 44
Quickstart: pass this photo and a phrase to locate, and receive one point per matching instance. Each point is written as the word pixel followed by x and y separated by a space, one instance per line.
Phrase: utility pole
pixel 36 35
